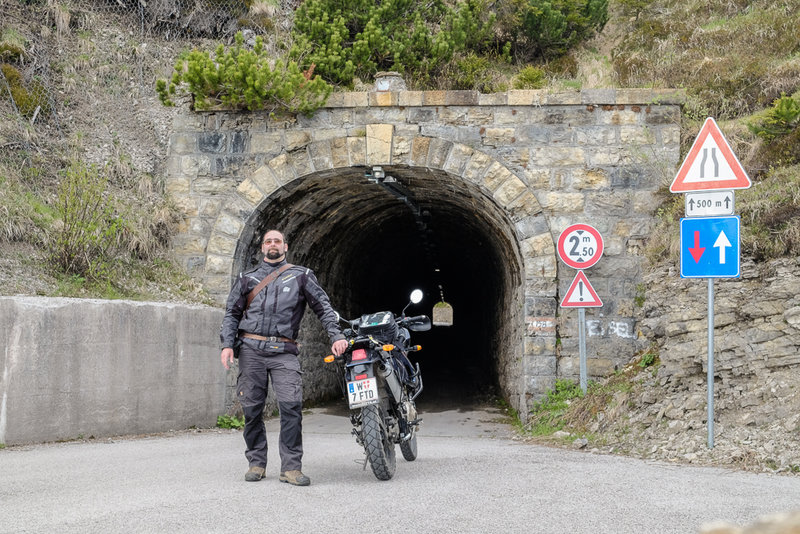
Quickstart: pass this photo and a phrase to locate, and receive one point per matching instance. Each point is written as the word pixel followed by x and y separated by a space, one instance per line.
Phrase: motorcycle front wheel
pixel 409 448
pixel 379 448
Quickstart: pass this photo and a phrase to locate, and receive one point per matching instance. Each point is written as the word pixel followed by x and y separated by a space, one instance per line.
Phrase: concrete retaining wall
pixel 75 367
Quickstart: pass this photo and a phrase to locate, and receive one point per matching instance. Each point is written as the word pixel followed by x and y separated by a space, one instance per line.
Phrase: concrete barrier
pixel 77 367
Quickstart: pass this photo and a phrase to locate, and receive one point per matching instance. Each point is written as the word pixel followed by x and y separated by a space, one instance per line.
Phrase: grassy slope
pixel 734 57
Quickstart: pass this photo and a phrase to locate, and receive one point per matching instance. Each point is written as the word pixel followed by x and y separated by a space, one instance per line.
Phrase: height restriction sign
pixel 580 246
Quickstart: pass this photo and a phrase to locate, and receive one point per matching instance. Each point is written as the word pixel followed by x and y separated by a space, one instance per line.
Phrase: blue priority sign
pixel 710 247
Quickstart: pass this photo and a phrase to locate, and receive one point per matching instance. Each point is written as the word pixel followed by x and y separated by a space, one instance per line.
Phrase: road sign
pixel 710 164
pixel 709 204
pixel 710 247
pixel 581 294
pixel 580 246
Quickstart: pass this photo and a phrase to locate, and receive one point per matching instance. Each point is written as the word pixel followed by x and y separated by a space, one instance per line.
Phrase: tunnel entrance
pixel 370 244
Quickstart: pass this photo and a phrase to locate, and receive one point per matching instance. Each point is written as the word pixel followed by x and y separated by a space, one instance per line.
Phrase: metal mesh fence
pixel 36 81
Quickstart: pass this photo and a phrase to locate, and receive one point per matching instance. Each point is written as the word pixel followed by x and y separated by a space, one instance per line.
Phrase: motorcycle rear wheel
pixel 377 444
pixel 409 448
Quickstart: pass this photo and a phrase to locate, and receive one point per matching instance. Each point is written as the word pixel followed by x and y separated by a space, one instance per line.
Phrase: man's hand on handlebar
pixel 339 347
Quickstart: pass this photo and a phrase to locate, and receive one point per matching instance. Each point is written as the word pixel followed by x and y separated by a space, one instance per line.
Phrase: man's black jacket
pixel 278 308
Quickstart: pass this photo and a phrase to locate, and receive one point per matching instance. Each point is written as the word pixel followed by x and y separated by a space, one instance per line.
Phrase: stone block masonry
pixel 543 160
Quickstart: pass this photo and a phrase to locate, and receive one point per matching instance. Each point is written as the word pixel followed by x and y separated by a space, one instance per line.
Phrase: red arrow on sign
pixel 697 251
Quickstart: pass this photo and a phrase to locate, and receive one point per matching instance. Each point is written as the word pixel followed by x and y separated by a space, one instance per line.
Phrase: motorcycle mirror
pixel 416 297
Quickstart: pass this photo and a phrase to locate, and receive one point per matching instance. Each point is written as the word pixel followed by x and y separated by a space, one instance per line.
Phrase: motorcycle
pixel 381 384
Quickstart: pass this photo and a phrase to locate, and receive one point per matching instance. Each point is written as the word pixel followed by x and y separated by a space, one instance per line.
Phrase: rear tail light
pixel 359 354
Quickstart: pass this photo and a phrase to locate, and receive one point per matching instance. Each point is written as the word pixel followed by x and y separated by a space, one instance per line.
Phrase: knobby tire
pixel 379 448
pixel 409 448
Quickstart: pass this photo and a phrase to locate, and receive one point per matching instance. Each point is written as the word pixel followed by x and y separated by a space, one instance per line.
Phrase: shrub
pixel 230 421
pixel 240 78
pixel 471 72
pixel 779 129
pixel 358 38
pixel 547 416
pixel 530 78
pixel 90 229
pixel 565 66
pixel 549 28
pixel 780 120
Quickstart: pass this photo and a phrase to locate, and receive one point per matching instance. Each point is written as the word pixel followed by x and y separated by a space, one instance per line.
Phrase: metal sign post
pixel 710 366
pixel 580 246
pixel 708 176
pixel 582 348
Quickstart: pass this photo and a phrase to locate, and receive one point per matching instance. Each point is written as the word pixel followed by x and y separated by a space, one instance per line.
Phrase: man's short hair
pixel 274 230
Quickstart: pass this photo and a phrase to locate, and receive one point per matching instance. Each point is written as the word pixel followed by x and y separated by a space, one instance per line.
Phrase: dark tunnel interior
pixel 370 245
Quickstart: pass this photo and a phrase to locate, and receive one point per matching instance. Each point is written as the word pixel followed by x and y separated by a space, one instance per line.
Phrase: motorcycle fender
pixel 354 370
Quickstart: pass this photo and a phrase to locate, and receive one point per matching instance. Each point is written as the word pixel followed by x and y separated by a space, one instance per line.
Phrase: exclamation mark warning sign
pixel 581 294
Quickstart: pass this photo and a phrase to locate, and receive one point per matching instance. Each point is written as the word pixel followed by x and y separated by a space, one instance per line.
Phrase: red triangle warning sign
pixel 581 294
pixel 710 164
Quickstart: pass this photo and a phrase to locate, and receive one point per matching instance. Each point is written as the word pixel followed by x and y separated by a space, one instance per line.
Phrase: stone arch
pixel 527 366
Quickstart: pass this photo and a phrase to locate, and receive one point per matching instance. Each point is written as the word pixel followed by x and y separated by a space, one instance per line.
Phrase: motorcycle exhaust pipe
pixel 391 380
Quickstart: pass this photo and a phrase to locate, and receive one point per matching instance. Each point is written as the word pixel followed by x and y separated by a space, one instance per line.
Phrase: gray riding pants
pixel 255 370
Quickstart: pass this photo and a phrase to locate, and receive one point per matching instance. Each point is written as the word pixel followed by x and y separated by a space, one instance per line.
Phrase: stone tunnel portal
pixel 370 244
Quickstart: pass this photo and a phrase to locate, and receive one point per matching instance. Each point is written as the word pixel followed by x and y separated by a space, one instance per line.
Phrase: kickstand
pixel 364 467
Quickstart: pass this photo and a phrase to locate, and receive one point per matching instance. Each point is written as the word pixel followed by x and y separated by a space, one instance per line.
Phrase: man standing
pixel 263 311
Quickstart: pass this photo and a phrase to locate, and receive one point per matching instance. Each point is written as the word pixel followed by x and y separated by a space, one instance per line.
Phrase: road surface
pixel 470 476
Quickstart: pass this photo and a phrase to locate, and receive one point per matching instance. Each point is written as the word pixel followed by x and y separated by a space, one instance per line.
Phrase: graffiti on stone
pixel 602 328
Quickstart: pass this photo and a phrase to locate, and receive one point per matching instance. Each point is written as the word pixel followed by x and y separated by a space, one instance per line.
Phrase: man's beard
pixel 273 254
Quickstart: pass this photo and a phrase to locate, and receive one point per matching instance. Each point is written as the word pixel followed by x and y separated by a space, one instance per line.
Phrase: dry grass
pixel 771 215
pixel 733 57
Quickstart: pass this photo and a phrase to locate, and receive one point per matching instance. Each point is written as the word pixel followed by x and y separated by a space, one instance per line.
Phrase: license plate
pixel 362 392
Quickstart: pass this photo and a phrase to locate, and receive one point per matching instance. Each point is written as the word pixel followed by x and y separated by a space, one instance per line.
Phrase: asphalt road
pixel 470 476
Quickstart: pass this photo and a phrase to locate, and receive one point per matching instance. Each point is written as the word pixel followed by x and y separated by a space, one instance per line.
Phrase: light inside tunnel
pixel 370 248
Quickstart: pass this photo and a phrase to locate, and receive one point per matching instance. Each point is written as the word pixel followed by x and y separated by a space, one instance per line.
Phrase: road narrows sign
pixel 710 164
pixel 581 294
pixel 580 246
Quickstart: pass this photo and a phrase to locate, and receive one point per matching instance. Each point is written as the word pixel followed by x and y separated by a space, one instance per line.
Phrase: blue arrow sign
pixel 710 247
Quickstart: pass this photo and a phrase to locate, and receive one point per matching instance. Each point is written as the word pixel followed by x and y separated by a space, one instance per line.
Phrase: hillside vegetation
pixel 83 134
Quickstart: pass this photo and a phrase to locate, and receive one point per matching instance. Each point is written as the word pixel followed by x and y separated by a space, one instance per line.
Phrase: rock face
pixel 757 325
pixel 756 381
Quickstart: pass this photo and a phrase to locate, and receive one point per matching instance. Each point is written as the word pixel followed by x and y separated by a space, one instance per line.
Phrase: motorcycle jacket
pixel 276 311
